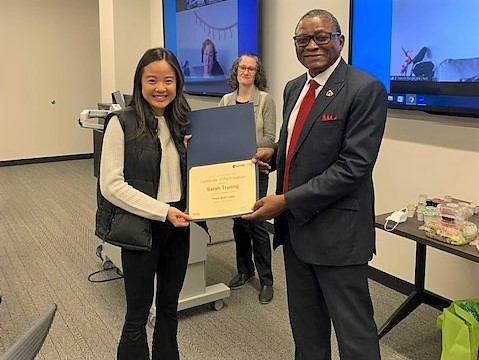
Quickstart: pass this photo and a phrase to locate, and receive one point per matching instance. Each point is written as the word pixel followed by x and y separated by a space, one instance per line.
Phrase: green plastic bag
pixel 460 331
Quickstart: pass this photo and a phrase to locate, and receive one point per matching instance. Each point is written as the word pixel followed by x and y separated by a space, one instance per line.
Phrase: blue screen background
pixel 371 37
pixel 244 38
pixel 382 29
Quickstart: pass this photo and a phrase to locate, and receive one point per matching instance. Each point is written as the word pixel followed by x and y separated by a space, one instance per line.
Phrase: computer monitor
pixel 121 99
pixel 117 98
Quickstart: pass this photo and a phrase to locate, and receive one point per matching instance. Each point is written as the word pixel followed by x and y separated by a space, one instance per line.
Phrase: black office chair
pixel 28 346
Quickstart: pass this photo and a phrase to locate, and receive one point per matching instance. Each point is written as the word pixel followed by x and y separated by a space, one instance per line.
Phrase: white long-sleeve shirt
pixel 117 191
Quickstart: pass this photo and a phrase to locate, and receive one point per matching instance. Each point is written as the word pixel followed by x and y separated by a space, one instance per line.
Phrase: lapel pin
pixel 329 92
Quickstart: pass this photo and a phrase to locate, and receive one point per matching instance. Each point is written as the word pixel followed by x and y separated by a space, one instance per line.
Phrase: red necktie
pixel 303 112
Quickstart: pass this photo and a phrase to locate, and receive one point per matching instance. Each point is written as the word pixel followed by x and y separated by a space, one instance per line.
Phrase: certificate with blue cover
pixel 222 180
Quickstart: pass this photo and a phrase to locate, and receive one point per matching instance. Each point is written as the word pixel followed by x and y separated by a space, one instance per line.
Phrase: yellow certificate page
pixel 221 190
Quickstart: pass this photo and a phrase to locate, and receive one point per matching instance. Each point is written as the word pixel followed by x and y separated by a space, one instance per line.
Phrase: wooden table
pixel 410 230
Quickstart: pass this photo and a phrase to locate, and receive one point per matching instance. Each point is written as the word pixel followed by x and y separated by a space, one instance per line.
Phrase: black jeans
pixel 252 239
pixel 168 259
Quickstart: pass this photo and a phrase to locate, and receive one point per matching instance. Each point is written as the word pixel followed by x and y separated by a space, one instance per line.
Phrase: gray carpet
pixel 48 250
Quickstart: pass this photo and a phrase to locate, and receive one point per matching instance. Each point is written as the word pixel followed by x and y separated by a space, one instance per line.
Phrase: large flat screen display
pixel 207 36
pixel 424 51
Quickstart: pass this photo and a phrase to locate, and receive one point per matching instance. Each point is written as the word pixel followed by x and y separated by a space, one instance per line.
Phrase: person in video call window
pixel 251 237
pixel 142 200
pixel 211 66
pixel 324 207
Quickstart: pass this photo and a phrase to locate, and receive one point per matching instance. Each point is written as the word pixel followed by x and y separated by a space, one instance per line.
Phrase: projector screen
pixel 207 36
pixel 424 51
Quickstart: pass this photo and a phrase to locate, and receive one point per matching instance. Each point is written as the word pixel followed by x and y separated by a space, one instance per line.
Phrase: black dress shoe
pixel 239 280
pixel 266 294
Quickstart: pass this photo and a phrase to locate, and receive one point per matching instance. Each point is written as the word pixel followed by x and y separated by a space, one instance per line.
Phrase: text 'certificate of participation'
pixel 222 180
pixel 226 189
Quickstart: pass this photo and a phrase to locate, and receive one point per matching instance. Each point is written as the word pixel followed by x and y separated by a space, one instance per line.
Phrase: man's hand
pixel 178 218
pixel 267 208
pixel 263 156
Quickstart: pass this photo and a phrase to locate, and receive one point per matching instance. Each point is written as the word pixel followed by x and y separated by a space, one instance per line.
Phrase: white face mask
pixel 396 218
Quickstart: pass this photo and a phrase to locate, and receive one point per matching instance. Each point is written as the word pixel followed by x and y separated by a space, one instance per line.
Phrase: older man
pixel 333 122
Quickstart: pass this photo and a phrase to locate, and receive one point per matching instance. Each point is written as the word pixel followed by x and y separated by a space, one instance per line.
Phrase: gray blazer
pixel 264 115
pixel 330 220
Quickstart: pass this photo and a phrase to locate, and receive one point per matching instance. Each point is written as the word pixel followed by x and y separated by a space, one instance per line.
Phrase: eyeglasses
pixel 322 38
pixel 243 68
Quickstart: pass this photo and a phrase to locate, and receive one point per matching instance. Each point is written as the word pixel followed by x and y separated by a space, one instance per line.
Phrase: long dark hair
pixel 175 112
pixel 259 76
pixel 216 70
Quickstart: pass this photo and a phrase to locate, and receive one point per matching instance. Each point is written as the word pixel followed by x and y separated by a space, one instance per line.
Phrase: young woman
pixel 142 199
pixel 251 237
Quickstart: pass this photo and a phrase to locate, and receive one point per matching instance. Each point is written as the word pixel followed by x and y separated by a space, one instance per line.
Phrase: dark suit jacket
pixel 331 197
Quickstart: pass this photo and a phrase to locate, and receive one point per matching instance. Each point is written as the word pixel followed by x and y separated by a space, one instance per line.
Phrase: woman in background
pixel 211 66
pixel 251 237
pixel 142 201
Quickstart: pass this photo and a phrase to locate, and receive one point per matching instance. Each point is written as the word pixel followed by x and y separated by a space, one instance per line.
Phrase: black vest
pixel 142 171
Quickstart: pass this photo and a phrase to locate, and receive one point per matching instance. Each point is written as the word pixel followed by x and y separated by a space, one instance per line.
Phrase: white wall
pixel 126 33
pixel 50 53
pixel 437 156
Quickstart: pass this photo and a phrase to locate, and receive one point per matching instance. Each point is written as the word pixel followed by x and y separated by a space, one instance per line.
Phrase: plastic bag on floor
pixel 460 330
